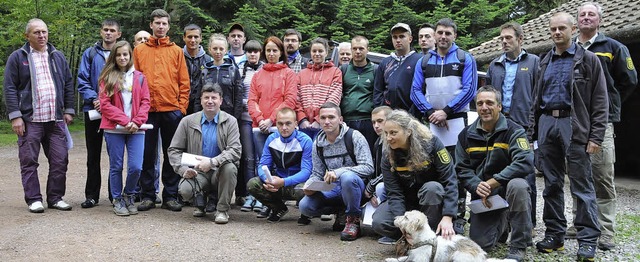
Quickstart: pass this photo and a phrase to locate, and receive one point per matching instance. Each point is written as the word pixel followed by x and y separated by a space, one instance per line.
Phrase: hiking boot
pixel 303 220
pixel 351 229
pixel 249 201
pixel 264 212
pixel 516 254
pixel 172 205
pixel 550 244
pixel 198 212
pixel 221 217
pixel 120 207
pixel 340 221
pixel 129 202
pixel 572 232
pixel 606 242
pixel 586 253
pixel 211 206
pixel 276 215
pixel 146 205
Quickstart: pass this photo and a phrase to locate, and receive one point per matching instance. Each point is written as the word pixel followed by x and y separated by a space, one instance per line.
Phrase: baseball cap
pixel 236 26
pixel 401 26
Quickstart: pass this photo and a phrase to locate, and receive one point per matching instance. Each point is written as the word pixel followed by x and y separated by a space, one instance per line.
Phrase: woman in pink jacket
pixel 124 104
pixel 274 87
pixel 320 82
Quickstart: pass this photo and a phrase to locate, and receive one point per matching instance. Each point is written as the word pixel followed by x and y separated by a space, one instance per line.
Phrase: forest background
pixel 75 25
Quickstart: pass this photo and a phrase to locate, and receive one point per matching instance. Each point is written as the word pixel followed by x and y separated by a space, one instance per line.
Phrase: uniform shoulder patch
pixel 630 64
pixel 444 156
pixel 523 143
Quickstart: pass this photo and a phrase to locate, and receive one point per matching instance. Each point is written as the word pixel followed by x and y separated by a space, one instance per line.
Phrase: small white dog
pixel 426 246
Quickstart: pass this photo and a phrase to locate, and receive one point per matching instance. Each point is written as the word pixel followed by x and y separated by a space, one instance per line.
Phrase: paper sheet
pixel 267 173
pixel 497 202
pixel 94 114
pixel 320 186
pixel 190 159
pixel 448 136
pixel 368 213
pixel 271 129
pixel 142 127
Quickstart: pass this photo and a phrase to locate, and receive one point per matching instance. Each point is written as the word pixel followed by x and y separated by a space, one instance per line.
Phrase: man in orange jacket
pixel 163 63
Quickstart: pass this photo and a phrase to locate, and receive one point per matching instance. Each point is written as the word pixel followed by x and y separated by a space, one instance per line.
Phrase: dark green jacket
pixel 357 92
pixel 503 155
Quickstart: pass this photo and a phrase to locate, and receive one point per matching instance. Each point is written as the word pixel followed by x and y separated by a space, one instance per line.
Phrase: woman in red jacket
pixel 320 82
pixel 124 104
pixel 272 88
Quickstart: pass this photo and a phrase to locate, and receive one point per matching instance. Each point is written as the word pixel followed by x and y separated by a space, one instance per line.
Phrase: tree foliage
pixel 74 24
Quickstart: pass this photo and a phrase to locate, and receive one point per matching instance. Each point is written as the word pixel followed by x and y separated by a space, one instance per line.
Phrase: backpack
pixel 461 54
pixel 348 142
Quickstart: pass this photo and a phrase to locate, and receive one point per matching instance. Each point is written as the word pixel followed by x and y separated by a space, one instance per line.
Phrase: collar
pixel 571 50
pixel 400 58
pixel 33 50
pixel 204 119
pixel 293 56
pixel 518 58
pixel 590 41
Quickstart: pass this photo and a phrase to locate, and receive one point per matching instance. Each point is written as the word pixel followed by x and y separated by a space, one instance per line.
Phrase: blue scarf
pixel 292 57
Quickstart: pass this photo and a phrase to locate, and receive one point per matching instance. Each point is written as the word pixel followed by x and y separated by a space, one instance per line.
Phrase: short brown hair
pixel 160 13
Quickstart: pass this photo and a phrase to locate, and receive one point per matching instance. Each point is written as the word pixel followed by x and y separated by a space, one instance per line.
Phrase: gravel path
pixel 159 235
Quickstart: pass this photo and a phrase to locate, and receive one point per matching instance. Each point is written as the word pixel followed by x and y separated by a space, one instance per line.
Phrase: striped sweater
pixel 318 84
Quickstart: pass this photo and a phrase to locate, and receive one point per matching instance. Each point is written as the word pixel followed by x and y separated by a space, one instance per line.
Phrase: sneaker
pixel 61 205
pixel 303 220
pixel 120 207
pixel 516 254
pixel 211 206
pixel 550 244
pixel 89 203
pixel 264 212
pixel 146 205
pixel 248 204
pixel 386 241
pixel 326 217
pixel 586 253
pixel 351 229
pixel 276 215
pixel 198 212
pixel 172 205
pixel 257 206
pixel 340 222
pixel 36 207
pixel 129 202
pixel 606 242
pixel 221 217
pixel 572 232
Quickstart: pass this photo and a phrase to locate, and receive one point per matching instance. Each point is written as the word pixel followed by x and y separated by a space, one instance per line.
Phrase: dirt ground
pixel 96 234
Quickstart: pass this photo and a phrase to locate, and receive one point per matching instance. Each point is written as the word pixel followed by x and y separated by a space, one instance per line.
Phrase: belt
pixel 557 113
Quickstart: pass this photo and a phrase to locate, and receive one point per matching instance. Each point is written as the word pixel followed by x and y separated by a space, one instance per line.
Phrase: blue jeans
pixel 258 145
pixel 310 131
pixel 135 151
pixel 248 160
pixel 348 192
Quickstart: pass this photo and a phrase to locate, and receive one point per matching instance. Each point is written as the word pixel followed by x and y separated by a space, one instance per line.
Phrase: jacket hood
pixel 226 62
pixel 201 52
pixel 316 67
pixel 165 41
pixel 275 67
pixel 99 46
pixel 322 136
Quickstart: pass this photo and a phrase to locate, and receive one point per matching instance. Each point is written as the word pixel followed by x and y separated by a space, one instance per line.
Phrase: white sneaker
pixel 221 217
pixel 36 207
pixel 61 205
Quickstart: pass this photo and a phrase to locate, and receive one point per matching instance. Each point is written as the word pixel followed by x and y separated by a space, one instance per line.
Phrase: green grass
pixel 9 138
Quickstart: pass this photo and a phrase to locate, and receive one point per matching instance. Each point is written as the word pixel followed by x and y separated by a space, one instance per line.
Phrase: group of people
pixel 261 121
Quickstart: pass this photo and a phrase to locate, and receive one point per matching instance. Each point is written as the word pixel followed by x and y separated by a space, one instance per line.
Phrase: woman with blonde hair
pixel 418 174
